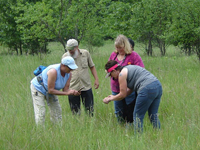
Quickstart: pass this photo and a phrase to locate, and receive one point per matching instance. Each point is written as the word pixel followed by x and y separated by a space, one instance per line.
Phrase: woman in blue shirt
pixel 47 85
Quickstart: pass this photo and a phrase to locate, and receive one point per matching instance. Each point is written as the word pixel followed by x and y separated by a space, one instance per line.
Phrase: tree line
pixel 27 26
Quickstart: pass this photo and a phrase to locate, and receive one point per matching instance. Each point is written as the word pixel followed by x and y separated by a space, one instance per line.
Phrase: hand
pixel 96 84
pixel 77 93
pixel 106 100
pixel 74 92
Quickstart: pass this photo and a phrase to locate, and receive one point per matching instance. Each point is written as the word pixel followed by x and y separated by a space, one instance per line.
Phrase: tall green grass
pixel 179 110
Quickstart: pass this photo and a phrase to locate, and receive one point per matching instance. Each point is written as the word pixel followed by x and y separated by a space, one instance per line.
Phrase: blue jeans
pixel 148 99
pixel 124 108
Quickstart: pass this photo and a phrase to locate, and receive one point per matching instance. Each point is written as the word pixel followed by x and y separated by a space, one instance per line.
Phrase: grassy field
pixel 179 111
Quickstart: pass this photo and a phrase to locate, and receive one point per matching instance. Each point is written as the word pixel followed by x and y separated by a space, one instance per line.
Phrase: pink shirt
pixel 130 59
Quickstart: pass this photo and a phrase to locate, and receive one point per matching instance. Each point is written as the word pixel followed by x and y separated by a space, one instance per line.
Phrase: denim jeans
pixel 124 108
pixel 87 100
pixel 148 99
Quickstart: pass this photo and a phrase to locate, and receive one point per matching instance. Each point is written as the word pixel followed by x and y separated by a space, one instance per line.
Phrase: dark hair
pixel 111 63
pixel 131 42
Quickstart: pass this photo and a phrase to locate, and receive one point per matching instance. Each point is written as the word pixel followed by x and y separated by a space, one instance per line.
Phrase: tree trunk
pixel 20 47
pixel 198 48
pixel 150 50
pixel 16 49
pixel 162 48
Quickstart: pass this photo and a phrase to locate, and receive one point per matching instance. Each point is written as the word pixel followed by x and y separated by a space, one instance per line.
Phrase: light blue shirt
pixel 60 80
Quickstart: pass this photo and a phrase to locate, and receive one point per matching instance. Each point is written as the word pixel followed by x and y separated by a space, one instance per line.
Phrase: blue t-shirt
pixel 60 80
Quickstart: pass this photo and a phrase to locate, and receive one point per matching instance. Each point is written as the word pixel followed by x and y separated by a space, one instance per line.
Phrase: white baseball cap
pixel 69 61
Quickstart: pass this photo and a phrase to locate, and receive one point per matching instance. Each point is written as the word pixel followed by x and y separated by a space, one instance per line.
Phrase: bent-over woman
pixel 148 88
pixel 47 85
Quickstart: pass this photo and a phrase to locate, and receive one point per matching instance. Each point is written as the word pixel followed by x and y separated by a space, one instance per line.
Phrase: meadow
pixel 179 110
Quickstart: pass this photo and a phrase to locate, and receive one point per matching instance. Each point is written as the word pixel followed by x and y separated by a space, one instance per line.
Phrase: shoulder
pixel 134 53
pixel 113 54
pixel 84 52
pixel 65 54
pixel 52 71
pixel 123 73
pixel 129 67
pixel 53 68
pixel 125 68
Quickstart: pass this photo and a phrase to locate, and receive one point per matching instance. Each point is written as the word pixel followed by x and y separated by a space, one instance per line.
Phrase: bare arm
pixel 123 88
pixel 129 91
pixel 94 73
pixel 52 75
pixel 66 88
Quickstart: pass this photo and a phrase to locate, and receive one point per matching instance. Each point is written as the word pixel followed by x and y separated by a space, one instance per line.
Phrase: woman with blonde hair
pixel 124 55
pixel 123 43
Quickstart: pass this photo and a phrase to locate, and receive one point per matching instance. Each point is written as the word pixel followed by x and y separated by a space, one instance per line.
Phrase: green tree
pixel 117 19
pixel 9 35
pixel 61 20
pixel 39 23
pixel 151 21
pixel 85 22
pixel 185 29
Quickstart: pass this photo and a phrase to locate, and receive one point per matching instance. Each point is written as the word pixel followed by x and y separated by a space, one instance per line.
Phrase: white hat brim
pixel 107 75
pixel 73 66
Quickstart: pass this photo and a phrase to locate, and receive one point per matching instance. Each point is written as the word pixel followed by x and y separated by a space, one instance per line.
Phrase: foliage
pixel 41 27
pixel 151 20
pixel 185 29
pixel 117 19
pixel 84 21
pixel 9 34
pixel 28 26
pixel 178 112
pixel 61 20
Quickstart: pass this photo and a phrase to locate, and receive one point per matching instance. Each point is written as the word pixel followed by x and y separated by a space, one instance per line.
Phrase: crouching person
pixel 148 88
pixel 47 85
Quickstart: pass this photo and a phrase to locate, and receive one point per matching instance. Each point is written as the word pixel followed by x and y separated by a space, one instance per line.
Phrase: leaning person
pixel 81 78
pixel 148 88
pixel 124 55
pixel 47 85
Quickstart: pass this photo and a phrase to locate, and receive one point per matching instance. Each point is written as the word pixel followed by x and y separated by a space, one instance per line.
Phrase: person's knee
pixel 40 117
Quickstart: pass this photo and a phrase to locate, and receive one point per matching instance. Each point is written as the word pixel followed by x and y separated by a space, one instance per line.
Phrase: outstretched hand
pixel 106 100
pixel 77 93
pixel 74 92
